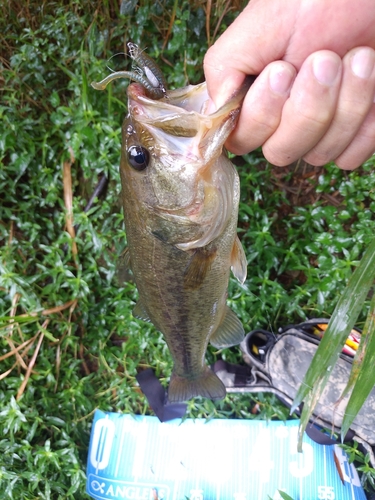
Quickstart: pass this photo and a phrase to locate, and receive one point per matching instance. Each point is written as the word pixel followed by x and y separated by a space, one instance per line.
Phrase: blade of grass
pixel 84 84
pixel 22 319
pixel 284 495
pixel 358 359
pixel 362 376
pixel 47 334
pixel 340 325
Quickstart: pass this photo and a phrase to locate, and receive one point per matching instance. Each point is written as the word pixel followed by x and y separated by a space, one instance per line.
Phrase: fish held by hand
pixel 180 195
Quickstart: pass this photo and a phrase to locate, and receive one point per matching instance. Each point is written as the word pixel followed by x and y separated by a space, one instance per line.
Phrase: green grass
pixel 304 230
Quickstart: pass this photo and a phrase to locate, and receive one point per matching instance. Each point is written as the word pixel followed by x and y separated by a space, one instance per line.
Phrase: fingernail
pixel 280 79
pixel 363 62
pixel 326 68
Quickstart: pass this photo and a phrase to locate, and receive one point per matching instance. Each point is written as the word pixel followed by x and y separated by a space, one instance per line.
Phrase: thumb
pixel 258 36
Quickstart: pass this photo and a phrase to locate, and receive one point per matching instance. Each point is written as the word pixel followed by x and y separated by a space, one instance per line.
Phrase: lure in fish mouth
pixel 145 71
pixel 180 196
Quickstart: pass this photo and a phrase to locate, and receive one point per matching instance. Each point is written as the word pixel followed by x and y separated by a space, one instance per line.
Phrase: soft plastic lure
pixel 146 72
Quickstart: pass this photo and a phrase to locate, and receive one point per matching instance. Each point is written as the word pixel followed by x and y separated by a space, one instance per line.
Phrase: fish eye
pixel 138 157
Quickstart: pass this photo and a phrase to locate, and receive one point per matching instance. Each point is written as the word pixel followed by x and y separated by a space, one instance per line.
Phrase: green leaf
pixel 340 325
pixel 284 495
pixel 362 375
pixel 47 334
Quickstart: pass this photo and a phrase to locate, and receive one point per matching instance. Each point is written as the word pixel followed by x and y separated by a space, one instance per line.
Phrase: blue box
pixel 140 458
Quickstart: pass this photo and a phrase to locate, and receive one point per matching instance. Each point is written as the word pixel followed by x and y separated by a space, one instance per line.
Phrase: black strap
pixel 157 397
pixel 318 436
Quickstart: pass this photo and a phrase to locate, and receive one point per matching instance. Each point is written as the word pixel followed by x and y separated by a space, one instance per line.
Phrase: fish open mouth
pixel 189 99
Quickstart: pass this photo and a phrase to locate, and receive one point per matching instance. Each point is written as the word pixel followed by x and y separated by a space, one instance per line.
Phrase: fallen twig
pixel 32 361
pixel 68 200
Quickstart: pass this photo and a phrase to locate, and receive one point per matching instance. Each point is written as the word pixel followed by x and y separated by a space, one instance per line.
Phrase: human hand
pixel 313 98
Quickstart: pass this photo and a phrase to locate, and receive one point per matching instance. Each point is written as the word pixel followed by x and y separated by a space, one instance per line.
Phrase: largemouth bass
pixel 180 196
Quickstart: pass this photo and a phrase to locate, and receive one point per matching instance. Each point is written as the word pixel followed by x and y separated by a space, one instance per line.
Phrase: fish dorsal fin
pixel 229 332
pixel 140 312
pixel 238 261
pixel 198 266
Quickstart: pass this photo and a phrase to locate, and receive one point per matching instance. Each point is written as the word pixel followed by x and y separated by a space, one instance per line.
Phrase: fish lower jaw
pixel 206 384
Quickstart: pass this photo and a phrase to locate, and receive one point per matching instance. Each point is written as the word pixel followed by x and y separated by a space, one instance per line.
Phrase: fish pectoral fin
pixel 238 261
pixel 207 385
pixel 229 332
pixel 140 312
pixel 198 266
pixel 123 269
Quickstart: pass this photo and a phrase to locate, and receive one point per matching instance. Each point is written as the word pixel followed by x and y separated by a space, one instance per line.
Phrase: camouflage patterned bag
pixel 278 363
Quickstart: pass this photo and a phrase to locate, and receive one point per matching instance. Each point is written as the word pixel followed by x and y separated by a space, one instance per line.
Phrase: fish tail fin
pixel 207 385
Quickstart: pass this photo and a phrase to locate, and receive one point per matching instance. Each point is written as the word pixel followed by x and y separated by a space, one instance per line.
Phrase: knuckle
pixel 313 118
pixel 265 126
pixel 354 111
pixel 367 130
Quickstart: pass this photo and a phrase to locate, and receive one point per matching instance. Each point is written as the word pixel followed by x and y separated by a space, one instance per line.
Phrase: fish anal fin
pixel 238 261
pixel 198 266
pixel 140 312
pixel 207 385
pixel 230 331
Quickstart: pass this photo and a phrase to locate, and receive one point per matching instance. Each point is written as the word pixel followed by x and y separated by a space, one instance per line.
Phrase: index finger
pixel 250 43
